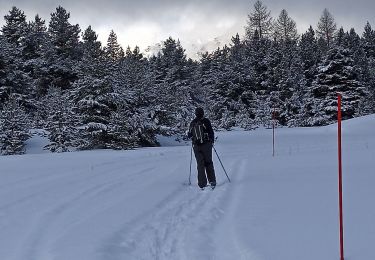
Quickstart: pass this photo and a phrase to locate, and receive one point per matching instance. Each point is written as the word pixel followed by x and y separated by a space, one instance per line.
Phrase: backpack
pixel 199 132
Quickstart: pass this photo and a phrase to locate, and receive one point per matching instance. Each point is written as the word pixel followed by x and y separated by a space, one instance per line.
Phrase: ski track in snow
pixel 39 237
pixel 185 216
pixel 173 226
pixel 38 241
pixel 179 225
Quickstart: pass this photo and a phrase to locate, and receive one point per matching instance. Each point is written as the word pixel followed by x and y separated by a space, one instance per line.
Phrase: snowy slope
pixel 136 204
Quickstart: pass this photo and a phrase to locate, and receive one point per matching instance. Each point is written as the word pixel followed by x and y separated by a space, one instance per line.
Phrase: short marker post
pixel 340 178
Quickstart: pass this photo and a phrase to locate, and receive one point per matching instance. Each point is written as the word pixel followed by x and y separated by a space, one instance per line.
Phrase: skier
pixel 202 135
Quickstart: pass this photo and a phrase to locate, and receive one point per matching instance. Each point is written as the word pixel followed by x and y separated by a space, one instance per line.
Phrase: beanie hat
pixel 199 112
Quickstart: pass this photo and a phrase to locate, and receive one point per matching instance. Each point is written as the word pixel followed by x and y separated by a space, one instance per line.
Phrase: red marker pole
pixel 273 132
pixel 340 179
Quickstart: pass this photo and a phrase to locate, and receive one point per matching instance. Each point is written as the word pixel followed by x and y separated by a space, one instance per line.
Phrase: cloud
pixel 196 23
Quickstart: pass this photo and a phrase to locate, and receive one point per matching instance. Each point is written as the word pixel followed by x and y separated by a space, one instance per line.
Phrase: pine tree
pixel 62 52
pixel 132 69
pixel 291 86
pixel 353 43
pixel 113 50
pixel 64 36
pixel 259 20
pixel 341 38
pixel 13 79
pixel 60 121
pixel 92 63
pixel 91 46
pixel 336 74
pixel 285 28
pixel 173 82
pixel 95 103
pixel 221 104
pixel 310 54
pixel 35 39
pixel 241 89
pixel 368 46
pixel 371 86
pixel 269 93
pixel 260 57
pixel 136 100
pixel 124 129
pixel 6 53
pixel 368 41
pixel 14 128
pixel 33 49
pixel 203 83
pixel 326 27
pixel 256 52
pixel 15 26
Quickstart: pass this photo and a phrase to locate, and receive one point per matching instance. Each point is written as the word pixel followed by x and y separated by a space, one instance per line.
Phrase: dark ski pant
pixel 203 155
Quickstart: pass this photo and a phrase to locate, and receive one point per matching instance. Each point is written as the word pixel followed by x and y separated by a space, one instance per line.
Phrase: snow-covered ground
pixel 136 205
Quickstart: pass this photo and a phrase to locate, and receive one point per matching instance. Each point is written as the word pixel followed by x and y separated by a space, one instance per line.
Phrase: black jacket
pixel 207 125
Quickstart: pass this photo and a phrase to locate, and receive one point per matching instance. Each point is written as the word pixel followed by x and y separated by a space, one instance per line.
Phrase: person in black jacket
pixel 203 137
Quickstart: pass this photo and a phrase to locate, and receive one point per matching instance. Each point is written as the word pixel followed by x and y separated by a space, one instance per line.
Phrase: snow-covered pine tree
pixel 64 35
pixel 131 126
pixel 291 86
pixel 15 26
pixel 6 52
pixel 123 135
pixel 35 39
pixel 173 84
pixel 368 46
pixel 13 79
pixel 340 38
pixel 33 48
pixel 62 58
pixel 203 81
pixel 310 55
pixel 95 99
pixel 242 84
pixel 353 43
pixel 221 104
pixel 368 41
pixel 60 121
pixel 113 50
pixel 371 85
pixel 14 128
pixel 270 94
pixel 258 59
pixel 113 55
pixel 131 70
pixel 135 102
pixel 337 73
pixel 92 62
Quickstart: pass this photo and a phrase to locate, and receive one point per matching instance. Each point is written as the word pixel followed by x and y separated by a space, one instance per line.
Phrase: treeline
pixel 90 96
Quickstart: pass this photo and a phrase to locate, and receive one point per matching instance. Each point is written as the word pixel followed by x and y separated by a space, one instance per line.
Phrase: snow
pixel 135 204
pixel 38 140
pixel 171 141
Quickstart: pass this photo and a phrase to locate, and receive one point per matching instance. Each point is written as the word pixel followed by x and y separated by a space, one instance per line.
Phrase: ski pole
pixel 221 164
pixel 191 158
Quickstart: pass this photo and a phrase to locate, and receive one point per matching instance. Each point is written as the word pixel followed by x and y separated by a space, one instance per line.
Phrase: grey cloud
pixel 166 11
pixel 190 20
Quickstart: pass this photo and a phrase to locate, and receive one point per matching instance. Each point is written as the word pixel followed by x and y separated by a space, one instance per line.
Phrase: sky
pixel 199 24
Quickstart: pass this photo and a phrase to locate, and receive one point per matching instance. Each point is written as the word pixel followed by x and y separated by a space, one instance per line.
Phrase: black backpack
pixel 199 132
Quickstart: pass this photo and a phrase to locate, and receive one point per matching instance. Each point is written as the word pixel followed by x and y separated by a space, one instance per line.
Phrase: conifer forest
pixel 87 95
